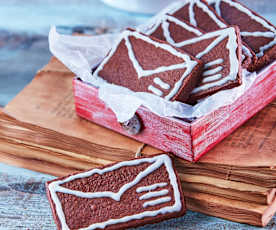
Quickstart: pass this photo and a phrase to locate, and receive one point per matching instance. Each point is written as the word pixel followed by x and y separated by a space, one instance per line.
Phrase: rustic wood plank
pixel 168 134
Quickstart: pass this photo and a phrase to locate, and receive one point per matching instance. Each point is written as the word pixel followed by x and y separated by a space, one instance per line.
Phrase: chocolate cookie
pixel 219 50
pixel 256 31
pixel 179 28
pixel 145 64
pixel 203 16
pixel 117 196
pixel 221 53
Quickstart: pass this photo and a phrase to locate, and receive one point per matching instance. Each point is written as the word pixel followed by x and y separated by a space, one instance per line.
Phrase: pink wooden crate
pixel 186 140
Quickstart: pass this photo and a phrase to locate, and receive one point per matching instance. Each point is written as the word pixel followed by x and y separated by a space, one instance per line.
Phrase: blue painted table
pixel 24 26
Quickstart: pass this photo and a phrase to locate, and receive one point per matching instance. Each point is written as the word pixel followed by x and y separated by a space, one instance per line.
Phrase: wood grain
pixel 36 165
pixel 167 134
pixel 234 210
pixel 51 140
pixel 260 176
pixel 24 205
pixel 227 189
pixel 48 102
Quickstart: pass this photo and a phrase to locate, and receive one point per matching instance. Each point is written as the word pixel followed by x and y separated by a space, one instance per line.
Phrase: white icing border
pixel 157 201
pixel 156 162
pixel 269 34
pixel 187 64
pixel 176 6
pixel 150 195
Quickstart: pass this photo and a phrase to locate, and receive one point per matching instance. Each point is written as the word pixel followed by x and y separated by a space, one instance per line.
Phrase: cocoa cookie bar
pixel 256 31
pixel 171 25
pixel 146 64
pixel 219 50
pixel 199 14
pixel 118 196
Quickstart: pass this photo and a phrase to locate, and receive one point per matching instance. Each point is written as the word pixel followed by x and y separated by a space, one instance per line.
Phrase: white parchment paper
pixel 81 53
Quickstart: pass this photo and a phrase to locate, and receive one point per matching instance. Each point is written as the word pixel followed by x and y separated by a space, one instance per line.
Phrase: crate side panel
pixel 163 133
pixel 211 129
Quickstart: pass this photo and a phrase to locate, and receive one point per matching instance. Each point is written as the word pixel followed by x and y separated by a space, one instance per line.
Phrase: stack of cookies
pixel 192 50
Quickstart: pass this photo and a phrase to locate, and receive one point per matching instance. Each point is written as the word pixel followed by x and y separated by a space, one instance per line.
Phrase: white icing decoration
pixel 217 8
pixel 212 71
pixel 151 187
pixel 157 201
pixel 211 46
pixel 258 34
pixel 246 51
pixel 155 163
pixel 155 90
pixel 154 194
pixel 187 64
pixel 166 32
pixel 219 36
pixel 201 5
pixel 211 14
pixel 211 78
pixel 266 47
pixel 144 73
pixel 192 14
pixel 176 7
pixel 164 22
pixel 161 83
pixel 215 62
pixel 270 34
pixel 184 25
pixel 232 45
pixel 154 27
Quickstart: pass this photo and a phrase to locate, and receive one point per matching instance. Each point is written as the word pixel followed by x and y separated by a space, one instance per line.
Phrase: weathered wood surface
pixel 228 189
pixel 166 134
pixel 24 205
